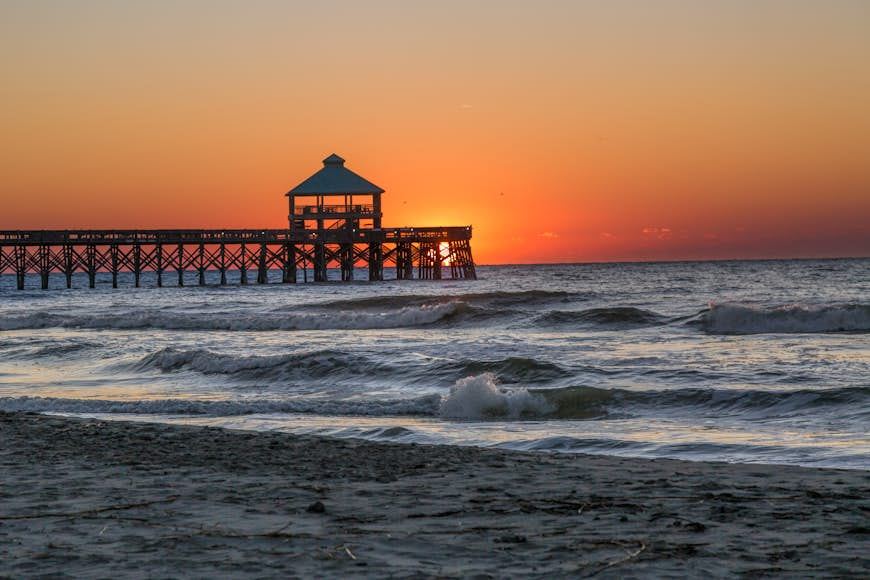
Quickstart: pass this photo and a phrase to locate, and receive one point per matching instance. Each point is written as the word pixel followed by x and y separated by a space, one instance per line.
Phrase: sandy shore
pixel 109 499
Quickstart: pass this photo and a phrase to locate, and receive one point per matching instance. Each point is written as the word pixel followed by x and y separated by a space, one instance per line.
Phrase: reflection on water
pixel 628 438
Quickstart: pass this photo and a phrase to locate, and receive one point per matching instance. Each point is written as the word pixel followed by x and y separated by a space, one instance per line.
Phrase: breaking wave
pixel 481 397
pixel 335 364
pixel 341 320
pixel 795 318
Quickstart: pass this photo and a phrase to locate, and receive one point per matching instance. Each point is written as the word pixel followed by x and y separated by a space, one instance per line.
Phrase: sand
pixel 111 499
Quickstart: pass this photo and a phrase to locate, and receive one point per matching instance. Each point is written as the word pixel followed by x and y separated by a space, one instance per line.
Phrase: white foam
pixel 794 318
pixel 479 397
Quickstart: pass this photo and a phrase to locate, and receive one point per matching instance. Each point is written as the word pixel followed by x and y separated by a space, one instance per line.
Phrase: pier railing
pixel 355 209
pixel 227 236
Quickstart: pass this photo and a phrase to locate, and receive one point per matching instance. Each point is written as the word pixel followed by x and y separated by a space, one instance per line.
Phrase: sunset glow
pixel 561 131
pixel 444 250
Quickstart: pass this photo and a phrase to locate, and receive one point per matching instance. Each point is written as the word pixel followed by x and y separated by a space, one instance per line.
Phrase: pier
pixel 334 222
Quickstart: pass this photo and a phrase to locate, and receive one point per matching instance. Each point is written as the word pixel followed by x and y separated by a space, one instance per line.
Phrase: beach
pixel 83 497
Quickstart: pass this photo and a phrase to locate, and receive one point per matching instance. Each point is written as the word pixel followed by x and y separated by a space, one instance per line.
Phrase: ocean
pixel 737 361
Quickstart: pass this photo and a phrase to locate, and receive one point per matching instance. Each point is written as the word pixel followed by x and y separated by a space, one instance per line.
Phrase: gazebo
pixel 335 198
pixel 335 217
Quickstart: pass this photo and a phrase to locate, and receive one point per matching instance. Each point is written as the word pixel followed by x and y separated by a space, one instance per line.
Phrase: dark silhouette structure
pixel 334 220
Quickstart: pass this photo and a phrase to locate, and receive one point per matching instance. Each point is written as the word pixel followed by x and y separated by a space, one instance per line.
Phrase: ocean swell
pixel 615 318
pixel 333 364
pixel 796 318
pixel 481 397
pixel 508 370
pixel 314 364
pixel 233 321
pixel 46 348
pixel 421 406
pixel 498 300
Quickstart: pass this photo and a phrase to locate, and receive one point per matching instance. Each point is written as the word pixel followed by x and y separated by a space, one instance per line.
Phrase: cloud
pixel 549 235
pixel 466 106
pixel 658 233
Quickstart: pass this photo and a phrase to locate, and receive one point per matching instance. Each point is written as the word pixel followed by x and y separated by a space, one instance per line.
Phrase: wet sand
pixel 111 499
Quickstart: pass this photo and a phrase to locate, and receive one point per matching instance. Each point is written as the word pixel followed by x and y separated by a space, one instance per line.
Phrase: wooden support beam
pixel 72 258
pixel 91 253
pixel 262 268
pixel 376 262
pixel 346 262
pixel 200 267
pixel 223 264
pixel 137 264
pixel 179 265
pixel 404 261
pixel 289 271
pixel 44 265
pixel 243 267
pixel 158 249
pixel 6 263
pixel 20 265
pixel 320 262
pixel 113 251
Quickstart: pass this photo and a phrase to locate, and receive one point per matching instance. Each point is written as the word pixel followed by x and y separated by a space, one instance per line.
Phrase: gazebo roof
pixel 335 179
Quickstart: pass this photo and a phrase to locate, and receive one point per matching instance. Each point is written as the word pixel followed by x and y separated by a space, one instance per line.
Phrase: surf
pixel 728 318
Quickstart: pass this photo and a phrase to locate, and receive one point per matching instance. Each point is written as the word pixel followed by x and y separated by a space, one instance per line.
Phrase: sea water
pixel 742 361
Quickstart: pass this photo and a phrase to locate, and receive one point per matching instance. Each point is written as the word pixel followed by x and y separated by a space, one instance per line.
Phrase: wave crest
pixel 479 397
pixel 421 406
pixel 501 299
pixel 341 320
pixel 796 318
pixel 307 364
pixel 615 317
pixel 334 364
pixel 511 369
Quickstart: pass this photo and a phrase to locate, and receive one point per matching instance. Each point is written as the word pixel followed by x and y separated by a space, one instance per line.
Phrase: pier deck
pixel 415 252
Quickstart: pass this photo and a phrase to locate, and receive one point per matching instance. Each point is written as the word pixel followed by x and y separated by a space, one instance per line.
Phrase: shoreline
pixel 92 497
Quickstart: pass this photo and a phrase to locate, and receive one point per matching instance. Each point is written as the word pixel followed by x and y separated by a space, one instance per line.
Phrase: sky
pixel 562 131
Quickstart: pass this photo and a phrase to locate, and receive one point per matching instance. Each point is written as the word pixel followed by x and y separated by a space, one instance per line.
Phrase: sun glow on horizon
pixel 562 132
pixel 444 251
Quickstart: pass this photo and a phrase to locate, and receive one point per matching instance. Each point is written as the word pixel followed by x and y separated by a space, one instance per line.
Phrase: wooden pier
pixel 335 221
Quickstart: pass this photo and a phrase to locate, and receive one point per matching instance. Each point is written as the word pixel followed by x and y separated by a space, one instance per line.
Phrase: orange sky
pixel 562 130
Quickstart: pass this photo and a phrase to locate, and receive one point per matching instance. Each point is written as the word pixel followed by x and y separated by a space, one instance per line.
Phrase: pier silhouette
pixel 334 221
